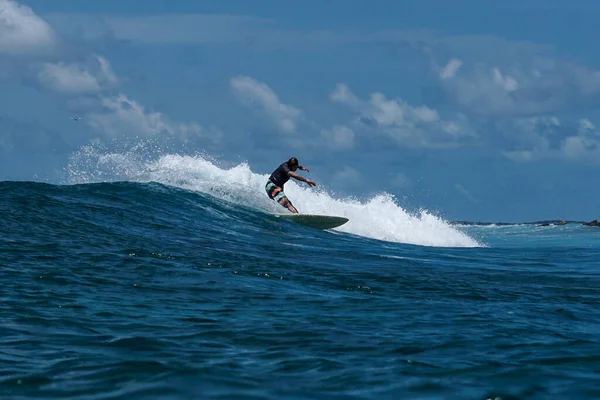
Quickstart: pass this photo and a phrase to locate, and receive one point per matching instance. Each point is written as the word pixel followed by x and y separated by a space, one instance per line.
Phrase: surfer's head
pixel 293 162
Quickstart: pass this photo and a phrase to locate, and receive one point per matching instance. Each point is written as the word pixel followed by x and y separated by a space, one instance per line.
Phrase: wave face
pixel 164 276
pixel 378 218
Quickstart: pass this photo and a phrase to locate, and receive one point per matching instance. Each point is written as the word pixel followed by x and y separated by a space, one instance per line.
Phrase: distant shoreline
pixel 543 222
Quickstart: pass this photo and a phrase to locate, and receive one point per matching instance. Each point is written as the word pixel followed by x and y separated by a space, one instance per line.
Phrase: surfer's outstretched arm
pixel 301 178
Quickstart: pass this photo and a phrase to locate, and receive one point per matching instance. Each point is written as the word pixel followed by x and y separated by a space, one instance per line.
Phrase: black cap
pixel 293 162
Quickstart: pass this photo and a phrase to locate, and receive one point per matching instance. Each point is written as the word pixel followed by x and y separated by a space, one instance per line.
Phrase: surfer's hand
pixel 311 183
pixel 305 169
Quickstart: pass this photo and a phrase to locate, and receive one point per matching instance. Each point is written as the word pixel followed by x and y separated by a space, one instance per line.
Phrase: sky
pixel 481 111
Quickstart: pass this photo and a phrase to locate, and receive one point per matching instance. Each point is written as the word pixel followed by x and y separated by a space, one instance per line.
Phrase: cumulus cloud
pixel 585 146
pixel 338 137
pixel 259 97
pixel 517 79
pixel 348 176
pixel 451 68
pixel 525 97
pixel 82 81
pixel 67 78
pixel 341 94
pixel 492 91
pixel 22 32
pixel 125 115
pixel 516 87
pixel 122 116
pixel 551 138
pixel 77 78
pixel 411 126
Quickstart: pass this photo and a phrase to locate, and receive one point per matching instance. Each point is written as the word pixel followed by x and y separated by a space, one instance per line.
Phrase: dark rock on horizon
pixel 592 223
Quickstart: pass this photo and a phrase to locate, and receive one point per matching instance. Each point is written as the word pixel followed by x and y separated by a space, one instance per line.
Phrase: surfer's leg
pixel 276 193
pixel 288 204
pixel 282 199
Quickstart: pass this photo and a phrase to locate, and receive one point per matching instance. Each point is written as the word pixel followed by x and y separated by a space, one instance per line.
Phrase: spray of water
pixel 379 217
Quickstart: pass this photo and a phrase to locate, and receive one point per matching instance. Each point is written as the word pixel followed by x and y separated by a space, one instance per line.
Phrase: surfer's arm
pixel 298 177
pixel 301 178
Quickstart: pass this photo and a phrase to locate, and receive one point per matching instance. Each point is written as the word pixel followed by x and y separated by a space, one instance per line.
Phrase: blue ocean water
pixel 170 279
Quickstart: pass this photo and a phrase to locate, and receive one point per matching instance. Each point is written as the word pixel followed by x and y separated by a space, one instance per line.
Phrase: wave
pixel 379 217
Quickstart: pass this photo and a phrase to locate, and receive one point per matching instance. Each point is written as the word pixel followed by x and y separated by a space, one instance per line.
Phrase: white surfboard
pixel 314 220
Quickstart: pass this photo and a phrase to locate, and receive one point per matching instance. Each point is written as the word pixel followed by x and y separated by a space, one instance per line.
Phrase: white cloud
pixel 451 68
pixel 260 97
pixel 508 83
pixel 172 28
pixel 339 137
pixel 517 79
pixel 585 146
pixel 488 92
pixel 411 126
pixel 221 29
pixel 67 78
pixel 531 139
pixel 106 71
pixel 123 116
pixel 341 94
pixel 399 112
pixel 76 78
pixel 550 138
pixel 578 147
pixel 82 79
pixel 21 31
pixel 348 176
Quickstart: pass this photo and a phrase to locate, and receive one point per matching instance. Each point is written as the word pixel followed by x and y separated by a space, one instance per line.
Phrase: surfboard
pixel 314 220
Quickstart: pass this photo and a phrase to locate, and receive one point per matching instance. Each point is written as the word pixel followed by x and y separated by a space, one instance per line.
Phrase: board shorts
pixel 275 192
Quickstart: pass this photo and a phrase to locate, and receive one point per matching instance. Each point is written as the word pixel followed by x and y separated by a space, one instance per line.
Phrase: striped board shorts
pixel 274 191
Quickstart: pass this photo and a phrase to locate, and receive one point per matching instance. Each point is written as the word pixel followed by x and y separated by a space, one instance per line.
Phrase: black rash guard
pixel 280 175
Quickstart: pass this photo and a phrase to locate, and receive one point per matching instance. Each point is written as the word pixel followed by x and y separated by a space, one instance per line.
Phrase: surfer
pixel 280 176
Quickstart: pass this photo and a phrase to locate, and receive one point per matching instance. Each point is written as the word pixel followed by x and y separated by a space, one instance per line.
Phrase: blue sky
pixel 477 110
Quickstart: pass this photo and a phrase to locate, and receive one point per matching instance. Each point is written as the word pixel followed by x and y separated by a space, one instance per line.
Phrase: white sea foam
pixel 379 217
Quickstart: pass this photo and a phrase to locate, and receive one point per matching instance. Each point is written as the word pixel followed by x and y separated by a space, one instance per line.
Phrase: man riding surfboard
pixel 280 176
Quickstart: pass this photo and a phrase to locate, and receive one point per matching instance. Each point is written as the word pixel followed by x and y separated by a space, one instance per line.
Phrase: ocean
pixel 171 279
